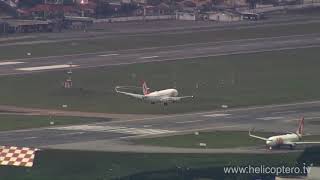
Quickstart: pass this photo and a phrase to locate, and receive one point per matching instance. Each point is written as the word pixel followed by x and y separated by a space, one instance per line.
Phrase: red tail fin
pixel 145 88
pixel 300 127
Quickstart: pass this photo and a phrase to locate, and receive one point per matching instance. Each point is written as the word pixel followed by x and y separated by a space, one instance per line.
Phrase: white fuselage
pixel 287 139
pixel 157 96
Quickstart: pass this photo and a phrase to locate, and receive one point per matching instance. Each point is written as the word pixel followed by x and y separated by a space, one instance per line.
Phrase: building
pixel 13 26
pixel 53 1
pixel 186 5
pixel 164 8
pixel 156 10
pixel 3 27
pixel 49 10
pixel 140 1
pixel 7 9
pixel 189 16
pixel 126 1
pixel 224 16
pixel 235 3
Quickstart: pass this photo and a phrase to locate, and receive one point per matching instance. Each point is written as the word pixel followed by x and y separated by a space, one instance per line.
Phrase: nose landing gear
pixel 292 147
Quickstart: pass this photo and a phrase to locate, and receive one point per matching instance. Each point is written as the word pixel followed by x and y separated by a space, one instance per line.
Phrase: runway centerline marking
pixel 10 63
pixel 149 57
pixel 270 118
pixel 185 122
pixel 216 115
pixel 39 68
pixel 106 55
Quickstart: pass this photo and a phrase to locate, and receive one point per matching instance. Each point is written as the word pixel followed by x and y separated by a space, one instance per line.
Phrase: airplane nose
pixel 176 93
pixel 269 143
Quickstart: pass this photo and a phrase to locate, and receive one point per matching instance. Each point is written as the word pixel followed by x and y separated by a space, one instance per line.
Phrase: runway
pixel 156 54
pixel 97 136
pixel 106 136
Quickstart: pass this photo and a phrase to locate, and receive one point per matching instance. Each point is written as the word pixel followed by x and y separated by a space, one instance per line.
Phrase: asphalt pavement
pixel 97 136
pixel 156 54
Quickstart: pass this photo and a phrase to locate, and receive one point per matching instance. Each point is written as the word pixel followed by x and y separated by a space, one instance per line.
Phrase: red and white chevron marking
pixel 17 156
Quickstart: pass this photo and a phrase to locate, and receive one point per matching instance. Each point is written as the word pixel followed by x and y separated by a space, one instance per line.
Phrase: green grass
pixel 14 122
pixel 235 80
pixel 82 165
pixel 216 139
pixel 140 41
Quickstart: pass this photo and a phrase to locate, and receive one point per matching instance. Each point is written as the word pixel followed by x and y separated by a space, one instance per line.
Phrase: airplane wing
pixel 138 96
pixel 174 99
pixel 257 137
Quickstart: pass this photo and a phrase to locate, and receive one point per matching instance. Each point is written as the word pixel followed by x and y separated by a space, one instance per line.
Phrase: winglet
pixel 300 127
pixel 145 88
pixel 252 129
pixel 116 88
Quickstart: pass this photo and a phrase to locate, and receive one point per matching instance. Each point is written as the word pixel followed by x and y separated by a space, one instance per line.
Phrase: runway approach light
pixel 68 82
pixel 64 106
pixel 224 106
pixel 196 133
pixel 51 122
pixel 29 54
pixel 202 144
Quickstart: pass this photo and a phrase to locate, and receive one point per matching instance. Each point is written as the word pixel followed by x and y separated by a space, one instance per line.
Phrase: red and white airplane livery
pixel 163 96
pixel 290 140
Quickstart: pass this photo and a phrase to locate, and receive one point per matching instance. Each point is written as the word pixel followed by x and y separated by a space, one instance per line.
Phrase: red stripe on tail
pixel 300 127
pixel 145 88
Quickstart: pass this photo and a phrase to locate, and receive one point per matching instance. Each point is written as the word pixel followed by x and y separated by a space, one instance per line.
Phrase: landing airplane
pixel 163 96
pixel 292 139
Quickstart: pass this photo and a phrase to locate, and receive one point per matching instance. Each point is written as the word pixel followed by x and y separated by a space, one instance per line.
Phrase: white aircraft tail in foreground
pixel 292 139
pixel 163 96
